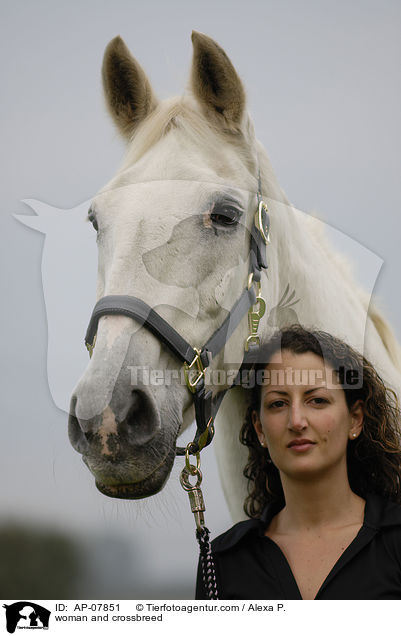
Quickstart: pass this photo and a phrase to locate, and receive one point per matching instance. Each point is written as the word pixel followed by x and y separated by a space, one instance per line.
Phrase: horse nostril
pixel 136 400
pixel 141 421
pixel 129 423
pixel 76 435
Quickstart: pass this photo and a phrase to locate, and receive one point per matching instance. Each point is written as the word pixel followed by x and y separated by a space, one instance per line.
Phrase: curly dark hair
pixel 373 459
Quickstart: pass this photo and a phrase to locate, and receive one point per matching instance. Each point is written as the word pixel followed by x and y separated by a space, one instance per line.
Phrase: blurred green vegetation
pixel 38 564
pixel 46 563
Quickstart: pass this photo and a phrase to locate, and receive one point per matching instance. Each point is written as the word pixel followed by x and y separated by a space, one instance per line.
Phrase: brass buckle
pixel 264 231
pixel 196 367
pixel 254 317
pixel 91 347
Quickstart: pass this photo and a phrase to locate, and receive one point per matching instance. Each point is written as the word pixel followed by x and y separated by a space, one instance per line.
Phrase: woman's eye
pixel 277 404
pixel 224 215
pixel 319 401
pixel 92 219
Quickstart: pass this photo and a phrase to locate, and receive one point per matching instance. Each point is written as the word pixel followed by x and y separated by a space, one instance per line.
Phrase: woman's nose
pixel 297 420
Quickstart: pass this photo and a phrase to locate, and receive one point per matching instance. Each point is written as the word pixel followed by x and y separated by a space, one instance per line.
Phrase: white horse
pixel 173 229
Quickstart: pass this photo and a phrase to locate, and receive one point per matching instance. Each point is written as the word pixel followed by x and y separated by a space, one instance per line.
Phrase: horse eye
pixel 92 219
pixel 224 215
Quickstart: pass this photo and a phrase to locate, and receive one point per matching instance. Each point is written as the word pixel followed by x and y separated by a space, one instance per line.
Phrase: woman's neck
pixel 317 505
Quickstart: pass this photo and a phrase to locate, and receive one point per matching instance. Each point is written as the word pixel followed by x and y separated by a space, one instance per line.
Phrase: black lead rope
pixel 207 563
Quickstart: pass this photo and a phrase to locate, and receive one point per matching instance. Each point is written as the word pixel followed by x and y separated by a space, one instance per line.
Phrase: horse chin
pixel 146 487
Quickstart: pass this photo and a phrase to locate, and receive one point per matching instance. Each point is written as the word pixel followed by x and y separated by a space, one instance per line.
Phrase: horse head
pixel 173 229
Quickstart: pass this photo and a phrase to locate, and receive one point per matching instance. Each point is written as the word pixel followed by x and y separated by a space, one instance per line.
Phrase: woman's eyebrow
pixel 276 391
pixel 315 388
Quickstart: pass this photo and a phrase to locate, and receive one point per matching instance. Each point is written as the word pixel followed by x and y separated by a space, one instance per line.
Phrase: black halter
pixel 197 360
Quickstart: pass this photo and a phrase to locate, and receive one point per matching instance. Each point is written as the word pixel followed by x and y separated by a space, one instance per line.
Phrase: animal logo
pixel 25 614
pixel 283 313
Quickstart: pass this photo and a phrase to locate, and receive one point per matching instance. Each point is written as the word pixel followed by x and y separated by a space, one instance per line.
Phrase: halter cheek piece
pixel 197 360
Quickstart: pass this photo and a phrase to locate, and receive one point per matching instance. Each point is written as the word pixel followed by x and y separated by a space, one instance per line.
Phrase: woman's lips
pixel 300 445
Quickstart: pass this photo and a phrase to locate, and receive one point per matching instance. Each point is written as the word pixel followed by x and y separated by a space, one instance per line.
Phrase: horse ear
pixel 128 93
pixel 215 83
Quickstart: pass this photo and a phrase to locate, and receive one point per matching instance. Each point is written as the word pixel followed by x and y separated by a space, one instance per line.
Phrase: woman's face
pixel 304 419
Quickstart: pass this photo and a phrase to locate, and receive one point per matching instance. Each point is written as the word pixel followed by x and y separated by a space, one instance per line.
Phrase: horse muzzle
pixel 127 450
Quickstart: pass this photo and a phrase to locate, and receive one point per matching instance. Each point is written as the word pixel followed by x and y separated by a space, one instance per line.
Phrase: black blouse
pixel 250 565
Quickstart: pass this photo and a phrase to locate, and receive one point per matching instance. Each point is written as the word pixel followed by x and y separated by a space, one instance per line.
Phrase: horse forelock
pixel 182 115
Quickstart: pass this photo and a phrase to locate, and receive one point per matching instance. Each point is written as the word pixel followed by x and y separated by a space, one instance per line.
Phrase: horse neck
pixel 299 257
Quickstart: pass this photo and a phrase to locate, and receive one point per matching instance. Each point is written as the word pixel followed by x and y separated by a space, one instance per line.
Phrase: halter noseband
pixel 197 360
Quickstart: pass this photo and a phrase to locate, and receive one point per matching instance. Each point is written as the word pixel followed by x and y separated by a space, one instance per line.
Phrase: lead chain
pixel 202 533
pixel 194 492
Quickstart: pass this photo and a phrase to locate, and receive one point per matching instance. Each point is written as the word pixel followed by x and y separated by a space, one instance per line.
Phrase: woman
pixel 324 472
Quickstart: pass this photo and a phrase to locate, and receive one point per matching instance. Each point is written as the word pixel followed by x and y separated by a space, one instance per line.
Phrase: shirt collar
pixel 379 513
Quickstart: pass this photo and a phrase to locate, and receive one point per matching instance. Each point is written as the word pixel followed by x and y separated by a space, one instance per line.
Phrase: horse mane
pixel 386 333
